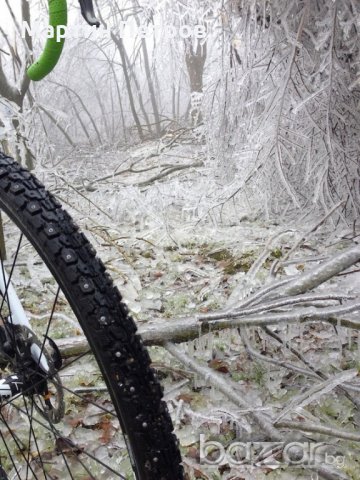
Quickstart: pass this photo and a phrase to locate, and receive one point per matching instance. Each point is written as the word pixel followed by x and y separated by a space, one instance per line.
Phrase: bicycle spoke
pixel 52 429
pixel 16 440
pixel 49 323
pixel 9 453
pixel 7 283
pixel 31 434
pixel 28 409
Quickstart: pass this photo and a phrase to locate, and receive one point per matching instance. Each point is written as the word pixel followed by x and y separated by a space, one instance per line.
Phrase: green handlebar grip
pixel 54 45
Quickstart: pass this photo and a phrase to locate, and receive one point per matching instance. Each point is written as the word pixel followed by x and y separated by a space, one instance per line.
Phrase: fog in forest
pixel 210 151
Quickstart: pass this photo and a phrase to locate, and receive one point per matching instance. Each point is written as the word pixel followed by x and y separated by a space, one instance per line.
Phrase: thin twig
pixel 315 428
pixel 277 265
pixel 168 171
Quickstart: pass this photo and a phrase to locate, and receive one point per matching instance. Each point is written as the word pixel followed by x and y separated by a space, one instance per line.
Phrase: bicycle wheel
pixel 51 426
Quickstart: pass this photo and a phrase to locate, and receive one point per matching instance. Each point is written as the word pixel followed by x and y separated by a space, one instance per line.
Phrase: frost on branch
pixel 289 132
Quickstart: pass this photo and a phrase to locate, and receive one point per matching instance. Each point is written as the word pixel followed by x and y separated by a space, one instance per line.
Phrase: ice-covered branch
pixel 186 329
pixel 323 272
pixel 322 429
pixel 263 314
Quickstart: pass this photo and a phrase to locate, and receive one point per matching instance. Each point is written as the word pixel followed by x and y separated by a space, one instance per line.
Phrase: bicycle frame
pixel 17 316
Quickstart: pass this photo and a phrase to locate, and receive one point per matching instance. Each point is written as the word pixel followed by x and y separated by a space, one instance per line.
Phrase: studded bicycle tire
pixel 105 320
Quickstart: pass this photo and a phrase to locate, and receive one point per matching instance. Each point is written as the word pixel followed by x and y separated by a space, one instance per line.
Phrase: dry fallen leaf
pixel 219 365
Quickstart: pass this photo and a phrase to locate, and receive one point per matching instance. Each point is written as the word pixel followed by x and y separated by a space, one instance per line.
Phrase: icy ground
pixel 173 249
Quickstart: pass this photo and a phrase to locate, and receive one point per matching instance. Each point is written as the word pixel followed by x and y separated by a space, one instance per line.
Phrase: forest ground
pixel 172 254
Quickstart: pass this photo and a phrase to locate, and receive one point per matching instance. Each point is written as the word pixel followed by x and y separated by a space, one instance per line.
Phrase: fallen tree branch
pixel 186 329
pixel 229 388
pixel 233 392
pixel 323 272
pixel 307 281
pixel 316 391
pixel 276 304
pixel 315 428
pixel 312 371
pixel 120 172
pixel 280 363
pixel 168 171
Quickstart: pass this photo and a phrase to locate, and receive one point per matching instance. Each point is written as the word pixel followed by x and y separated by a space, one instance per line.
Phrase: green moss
pixel 190 244
pixel 341 410
pixel 147 254
pixel 237 376
pixel 328 409
pixel 253 372
pixel 276 253
pixel 171 248
pixel 175 257
pixel 175 304
pixel 351 468
pixel 213 306
pixel 350 363
pixel 238 265
pixel 219 255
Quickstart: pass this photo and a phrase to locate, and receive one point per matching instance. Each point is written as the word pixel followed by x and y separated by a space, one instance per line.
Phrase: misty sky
pixel 5 18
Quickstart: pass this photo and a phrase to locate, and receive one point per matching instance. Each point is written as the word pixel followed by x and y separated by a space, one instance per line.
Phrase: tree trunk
pixel 16 94
pixel 195 61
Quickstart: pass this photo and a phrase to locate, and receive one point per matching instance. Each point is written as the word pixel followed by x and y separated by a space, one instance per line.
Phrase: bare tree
pixel 291 93
pixel 14 89
pixel 148 72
